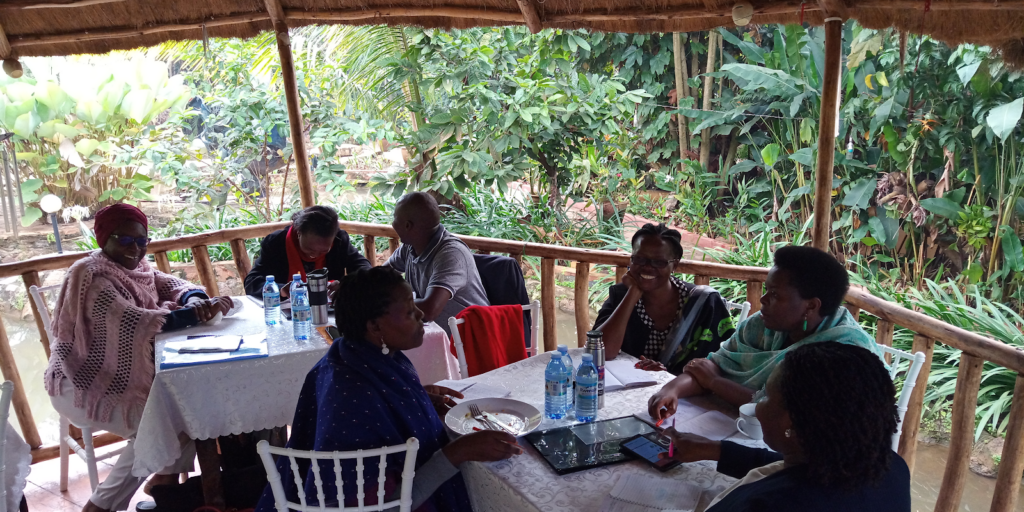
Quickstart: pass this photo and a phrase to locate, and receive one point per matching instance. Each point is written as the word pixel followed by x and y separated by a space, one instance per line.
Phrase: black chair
pixel 504 284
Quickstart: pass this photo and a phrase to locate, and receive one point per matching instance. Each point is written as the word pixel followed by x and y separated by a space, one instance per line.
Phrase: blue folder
pixel 253 346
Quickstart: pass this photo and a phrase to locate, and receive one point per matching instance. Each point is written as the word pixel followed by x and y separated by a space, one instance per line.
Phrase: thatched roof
pixel 62 27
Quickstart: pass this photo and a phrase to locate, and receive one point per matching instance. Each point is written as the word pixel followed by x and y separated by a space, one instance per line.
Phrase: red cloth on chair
pixel 492 337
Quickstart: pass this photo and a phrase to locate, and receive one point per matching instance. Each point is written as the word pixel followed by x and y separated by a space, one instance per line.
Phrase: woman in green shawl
pixel 801 304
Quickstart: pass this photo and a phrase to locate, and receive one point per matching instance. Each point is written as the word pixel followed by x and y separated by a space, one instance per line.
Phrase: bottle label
pixel 600 380
pixel 301 315
pixel 271 301
pixel 555 388
pixel 586 392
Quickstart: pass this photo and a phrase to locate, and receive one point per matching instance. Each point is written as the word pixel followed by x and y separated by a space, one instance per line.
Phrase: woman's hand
pixel 662 404
pixel 485 446
pixel 691 447
pixel 650 365
pixel 206 309
pixel 630 281
pixel 440 397
pixel 332 288
pixel 704 371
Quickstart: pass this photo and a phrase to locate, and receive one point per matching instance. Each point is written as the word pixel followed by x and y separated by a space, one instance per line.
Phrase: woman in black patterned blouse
pixel 648 314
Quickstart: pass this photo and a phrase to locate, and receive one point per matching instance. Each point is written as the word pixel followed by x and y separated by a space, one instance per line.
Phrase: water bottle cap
pixel 588 357
pixel 270 279
pixel 556 355
pixel 563 348
pixel 297 277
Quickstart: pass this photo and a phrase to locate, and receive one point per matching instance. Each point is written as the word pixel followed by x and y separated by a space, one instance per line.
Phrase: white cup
pixel 747 423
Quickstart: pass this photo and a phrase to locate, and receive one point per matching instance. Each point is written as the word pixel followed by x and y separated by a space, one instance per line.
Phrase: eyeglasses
pixel 658 264
pixel 126 240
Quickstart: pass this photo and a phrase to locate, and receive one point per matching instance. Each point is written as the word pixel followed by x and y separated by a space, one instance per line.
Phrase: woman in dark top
pixel 829 414
pixel 312 242
pixel 646 314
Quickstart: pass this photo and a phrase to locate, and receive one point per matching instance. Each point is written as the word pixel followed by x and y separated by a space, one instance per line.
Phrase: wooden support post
pixel 754 291
pixel 682 91
pixel 204 267
pixel 19 400
pixel 703 281
pixel 547 302
pixel 518 256
pixel 965 404
pixel 291 96
pixel 32 279
pixel 209 465
pixel 5 48
pixel 163 264
pixel 912 420
pixel 241 257
pixel 854 311
pixel 370 249
pixel 620 272
pixel 705 135
pixel 884 330
pixel 1004 499
pixel 827 133
pixel 530 15
pixel 393 244
pixel 581 302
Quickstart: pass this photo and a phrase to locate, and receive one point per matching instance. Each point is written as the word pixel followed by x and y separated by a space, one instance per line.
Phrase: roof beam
pixel 5 46
pixel 409 12
pixel 89 35
pixel 277 16
pixel 834 9
pixel 791 7
pixel 52 4
pixel 531 15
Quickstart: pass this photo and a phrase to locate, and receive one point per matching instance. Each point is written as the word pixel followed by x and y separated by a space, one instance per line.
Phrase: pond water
pixel 31 361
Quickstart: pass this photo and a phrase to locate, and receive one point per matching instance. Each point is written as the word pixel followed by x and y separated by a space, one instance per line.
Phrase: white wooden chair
pixel 84 451
pixel 744 310
pixel 404 503
pixel 460 349
pixel 6 391
pixel 916 361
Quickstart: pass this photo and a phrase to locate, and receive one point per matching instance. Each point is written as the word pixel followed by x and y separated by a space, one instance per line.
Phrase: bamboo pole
pixel 827 133
pixel 33 4
pixel 884 330
pixel 1004 499
pixel 547 303
pixel 701 280
pixel 32 279
pixel 291 96
pixel 709 83
pixel 370 249
pixel 912 419
pixel 682 91
pixel 204 267
pixel 19 401
pixel 241 256
pixel 581 302
pixel 754 291
pixel 965 404
pixel 163 264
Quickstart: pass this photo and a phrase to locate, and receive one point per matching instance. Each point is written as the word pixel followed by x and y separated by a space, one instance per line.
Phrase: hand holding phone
pixel 648 447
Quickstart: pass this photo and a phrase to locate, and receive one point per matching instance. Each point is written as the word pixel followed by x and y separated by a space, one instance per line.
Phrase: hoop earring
pixel 384 347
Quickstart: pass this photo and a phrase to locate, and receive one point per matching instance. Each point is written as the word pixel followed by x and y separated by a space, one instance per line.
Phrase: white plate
pixel 520 416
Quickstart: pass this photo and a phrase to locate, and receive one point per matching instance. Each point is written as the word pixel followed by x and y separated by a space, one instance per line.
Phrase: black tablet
pixel 587 445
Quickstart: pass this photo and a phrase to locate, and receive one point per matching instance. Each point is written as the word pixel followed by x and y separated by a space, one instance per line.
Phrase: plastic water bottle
pixel 301 313
pixel 570 393
pixel 586 390
pixel 271 302
pixel 556 382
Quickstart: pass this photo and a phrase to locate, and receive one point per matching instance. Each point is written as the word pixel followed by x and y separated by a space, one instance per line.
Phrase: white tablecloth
pixel 18 459
pixel 212 400
pixel 527 482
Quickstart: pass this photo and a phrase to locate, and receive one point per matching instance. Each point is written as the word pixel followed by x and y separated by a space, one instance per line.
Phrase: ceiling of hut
pixel 62 27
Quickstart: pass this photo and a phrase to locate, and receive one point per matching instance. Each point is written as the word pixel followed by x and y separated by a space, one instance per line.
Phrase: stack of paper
pixel 695 420
pixel 624 375
pixel 685 411
pixel 252 346
pixel 205 344
pixel 637 492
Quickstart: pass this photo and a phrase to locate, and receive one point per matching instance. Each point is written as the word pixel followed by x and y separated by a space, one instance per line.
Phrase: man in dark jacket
pixel 312 242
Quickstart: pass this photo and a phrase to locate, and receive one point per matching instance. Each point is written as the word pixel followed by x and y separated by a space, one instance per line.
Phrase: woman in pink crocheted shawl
pixel 110 307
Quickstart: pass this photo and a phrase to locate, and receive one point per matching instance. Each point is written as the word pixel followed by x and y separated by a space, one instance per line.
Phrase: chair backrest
pixel 6 392
pixel 504 284
pixel 744 310
pixel 913 368
pixel 533 309
pixel 38 294
pixel 404 503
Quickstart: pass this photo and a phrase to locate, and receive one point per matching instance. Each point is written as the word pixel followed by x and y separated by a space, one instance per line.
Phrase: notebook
pixel 205 344
pixel 685 411
pixel 253 346
pixel 690 418
pixel 637 492
pixel 620 375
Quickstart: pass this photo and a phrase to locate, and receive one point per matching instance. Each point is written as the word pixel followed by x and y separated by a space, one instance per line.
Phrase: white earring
pixel 384 347
pixel 789 433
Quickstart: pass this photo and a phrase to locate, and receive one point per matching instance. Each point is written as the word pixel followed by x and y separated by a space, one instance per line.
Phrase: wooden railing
pixel 928 331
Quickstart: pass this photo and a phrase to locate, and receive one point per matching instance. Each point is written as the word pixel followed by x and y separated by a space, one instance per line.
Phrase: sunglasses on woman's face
pixel 126 240
pixel 658 264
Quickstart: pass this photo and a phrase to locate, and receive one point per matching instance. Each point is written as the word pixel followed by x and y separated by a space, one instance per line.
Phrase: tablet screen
pixel 586 445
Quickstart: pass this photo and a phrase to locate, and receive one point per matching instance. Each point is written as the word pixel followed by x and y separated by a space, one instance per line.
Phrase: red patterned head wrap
pixel 112 217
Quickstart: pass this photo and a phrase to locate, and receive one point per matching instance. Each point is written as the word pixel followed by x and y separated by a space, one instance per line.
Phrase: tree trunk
pixel 682 91
pixel 709 84
pixel 730 157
